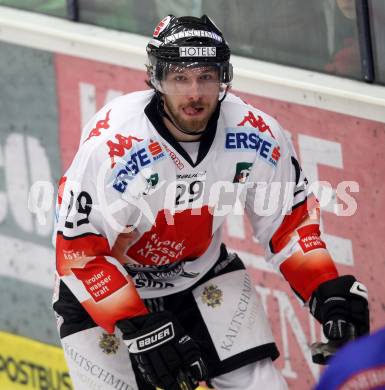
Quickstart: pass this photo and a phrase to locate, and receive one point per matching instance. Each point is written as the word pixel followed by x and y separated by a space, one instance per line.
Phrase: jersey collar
pixel 153 114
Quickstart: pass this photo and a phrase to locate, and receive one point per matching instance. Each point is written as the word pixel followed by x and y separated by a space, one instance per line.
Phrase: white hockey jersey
pixel 137 218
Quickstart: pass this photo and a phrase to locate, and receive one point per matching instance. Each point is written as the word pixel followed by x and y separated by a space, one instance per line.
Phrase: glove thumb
pixel 336 328
pixel 198 370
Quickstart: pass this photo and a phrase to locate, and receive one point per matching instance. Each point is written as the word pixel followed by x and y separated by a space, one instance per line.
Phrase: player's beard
pixel 190 124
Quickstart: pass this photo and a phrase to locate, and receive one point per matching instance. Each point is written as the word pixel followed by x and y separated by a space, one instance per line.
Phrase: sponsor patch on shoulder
pixel 248 140
pixel 310 238
pixel 142 155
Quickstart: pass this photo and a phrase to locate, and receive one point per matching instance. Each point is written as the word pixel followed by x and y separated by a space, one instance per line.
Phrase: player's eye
pixel 180 78
pixel 207 77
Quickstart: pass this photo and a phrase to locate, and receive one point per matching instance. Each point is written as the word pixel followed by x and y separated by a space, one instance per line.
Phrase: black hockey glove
pixel 165 355
pixel 341 306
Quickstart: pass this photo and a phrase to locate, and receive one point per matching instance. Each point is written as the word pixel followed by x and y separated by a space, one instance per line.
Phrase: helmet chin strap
pixel 163 113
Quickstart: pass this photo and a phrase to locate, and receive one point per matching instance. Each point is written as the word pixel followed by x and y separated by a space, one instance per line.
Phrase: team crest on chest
pixel 109 343
pixel 242 172
pixel 212 296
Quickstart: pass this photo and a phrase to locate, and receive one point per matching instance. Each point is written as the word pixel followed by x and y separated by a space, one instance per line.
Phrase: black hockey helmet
pixel 187 42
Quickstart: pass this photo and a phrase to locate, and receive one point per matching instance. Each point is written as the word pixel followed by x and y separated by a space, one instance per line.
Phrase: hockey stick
pixel 322 352
pixel 185 382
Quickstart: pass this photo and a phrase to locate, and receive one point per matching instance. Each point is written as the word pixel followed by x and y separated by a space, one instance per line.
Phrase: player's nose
pixel 195 90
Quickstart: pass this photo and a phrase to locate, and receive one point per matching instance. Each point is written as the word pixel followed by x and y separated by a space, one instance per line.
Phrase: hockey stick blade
pixel 322 352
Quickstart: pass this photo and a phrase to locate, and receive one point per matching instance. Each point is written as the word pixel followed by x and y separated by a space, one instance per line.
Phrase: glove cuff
pixel 343 289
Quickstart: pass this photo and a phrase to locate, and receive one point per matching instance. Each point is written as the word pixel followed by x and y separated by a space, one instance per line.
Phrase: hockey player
pixel 147 295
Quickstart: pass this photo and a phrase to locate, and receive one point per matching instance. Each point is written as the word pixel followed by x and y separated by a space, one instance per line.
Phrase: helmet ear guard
pixel 227 76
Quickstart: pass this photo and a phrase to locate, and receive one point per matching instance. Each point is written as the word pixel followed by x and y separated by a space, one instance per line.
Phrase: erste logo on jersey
pixel 263 141
pixel 142 155
pixel 267 149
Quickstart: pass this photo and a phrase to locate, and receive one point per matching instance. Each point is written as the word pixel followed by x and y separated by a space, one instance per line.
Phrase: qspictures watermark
pixel 147 195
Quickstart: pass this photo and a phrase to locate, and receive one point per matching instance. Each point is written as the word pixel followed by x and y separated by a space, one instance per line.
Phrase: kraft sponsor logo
pixel 157 337
pixel 161 252
pixel 100 284
pixel 266 148
pixel 189 51
pixel 311 242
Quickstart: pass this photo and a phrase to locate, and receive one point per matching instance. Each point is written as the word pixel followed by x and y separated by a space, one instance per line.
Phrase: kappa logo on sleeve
pixel 257 123
pixel 102 124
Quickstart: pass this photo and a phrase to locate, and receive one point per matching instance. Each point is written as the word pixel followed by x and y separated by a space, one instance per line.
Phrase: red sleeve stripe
pixel 281 237
pixel 100 278
pixel 76 251
pixel 60 233
pixel 61 190
pixel 306 272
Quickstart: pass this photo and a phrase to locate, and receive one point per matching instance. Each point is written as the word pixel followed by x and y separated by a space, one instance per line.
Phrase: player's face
pixel 192 96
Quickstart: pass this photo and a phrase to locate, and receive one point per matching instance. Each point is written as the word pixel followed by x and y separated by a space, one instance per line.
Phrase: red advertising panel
pixel 83 88
pixel 346 151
